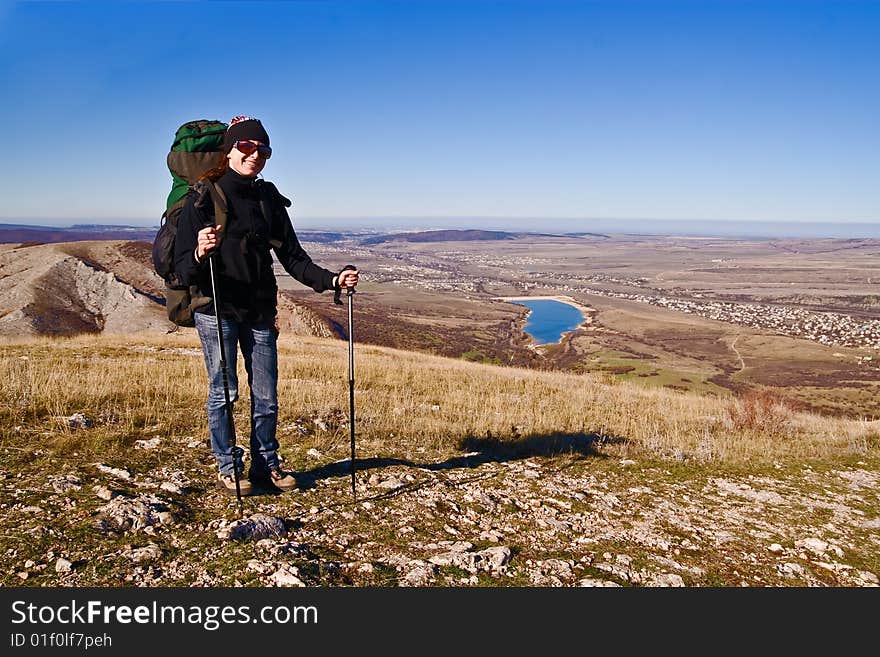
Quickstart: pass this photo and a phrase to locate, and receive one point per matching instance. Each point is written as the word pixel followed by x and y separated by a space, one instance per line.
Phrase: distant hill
pixel 319 236
pixel 581 234
pixel 442 236
pixel 468 235
pixel 29 234
pixel 22 233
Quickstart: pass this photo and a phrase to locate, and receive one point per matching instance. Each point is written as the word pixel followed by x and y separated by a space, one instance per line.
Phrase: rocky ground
pixel 490 518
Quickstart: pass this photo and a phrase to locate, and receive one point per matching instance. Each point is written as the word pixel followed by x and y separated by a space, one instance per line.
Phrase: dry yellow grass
pixel 407 404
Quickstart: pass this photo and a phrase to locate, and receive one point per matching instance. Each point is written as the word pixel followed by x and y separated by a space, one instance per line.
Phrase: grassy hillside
pixel 89 422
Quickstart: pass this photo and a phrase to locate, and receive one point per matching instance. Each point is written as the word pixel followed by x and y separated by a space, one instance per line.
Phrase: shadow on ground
pixel 477 451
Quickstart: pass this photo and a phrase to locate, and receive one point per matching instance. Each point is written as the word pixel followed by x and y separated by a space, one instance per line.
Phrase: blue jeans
pixel 259 349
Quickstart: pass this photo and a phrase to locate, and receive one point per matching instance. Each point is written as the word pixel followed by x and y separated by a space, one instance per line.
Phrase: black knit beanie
pixel 244 127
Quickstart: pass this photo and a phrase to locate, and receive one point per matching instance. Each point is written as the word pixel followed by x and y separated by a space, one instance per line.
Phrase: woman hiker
pixel 248 298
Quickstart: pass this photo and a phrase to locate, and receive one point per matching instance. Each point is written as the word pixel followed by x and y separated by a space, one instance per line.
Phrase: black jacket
pixel 246 282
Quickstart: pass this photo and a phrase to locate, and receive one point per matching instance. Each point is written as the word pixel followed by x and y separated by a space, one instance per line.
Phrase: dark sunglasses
pixel 248 148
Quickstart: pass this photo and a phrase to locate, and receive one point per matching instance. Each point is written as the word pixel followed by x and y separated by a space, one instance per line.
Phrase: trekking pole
pixel 350 294
pixel 351 385
pixel 237 452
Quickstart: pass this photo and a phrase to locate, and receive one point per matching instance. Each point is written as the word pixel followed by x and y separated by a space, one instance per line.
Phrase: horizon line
pixel 389 218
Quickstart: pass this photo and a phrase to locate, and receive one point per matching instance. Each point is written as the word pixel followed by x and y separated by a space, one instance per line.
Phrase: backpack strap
pixel 207 189
pixel 270 199
pixel 204 190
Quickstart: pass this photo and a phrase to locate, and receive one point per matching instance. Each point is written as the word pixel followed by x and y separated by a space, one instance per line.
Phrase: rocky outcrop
pixel 46 291
pixel 94 287
pixel 299 320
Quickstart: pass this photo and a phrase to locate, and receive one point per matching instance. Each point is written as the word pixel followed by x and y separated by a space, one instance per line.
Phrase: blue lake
pixel 549 319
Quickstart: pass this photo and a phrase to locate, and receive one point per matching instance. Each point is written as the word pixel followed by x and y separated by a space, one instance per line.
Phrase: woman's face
pixel 247 165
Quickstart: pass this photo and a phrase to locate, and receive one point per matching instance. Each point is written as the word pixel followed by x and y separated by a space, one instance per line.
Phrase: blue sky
pixel 526 115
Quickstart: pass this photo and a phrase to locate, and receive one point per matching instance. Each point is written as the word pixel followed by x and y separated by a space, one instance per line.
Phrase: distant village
pixel 826 328
pixel 430 273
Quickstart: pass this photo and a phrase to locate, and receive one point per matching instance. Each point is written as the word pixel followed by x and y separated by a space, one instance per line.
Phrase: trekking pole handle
pixel 336 295
pixel 214 249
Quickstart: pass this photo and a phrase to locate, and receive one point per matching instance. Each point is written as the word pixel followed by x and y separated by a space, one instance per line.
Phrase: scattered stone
pixel 776 548
pixel 833 567
pixel 815 545
pixel 495 558
pixel 792 570
pixel 313 453
pixel 174 481
pixel 121 473
pixel 420 574
pixel 612 569
pixel 266 543
pixel 256 527
pixel 665 580
pixel 152 443
pixel 747 492
pixel 391 483
pixel 492 535
pixel 147 554
pixel 286 576
pixel 561 504
pixel 468 561
pixel 590 581
pixel 459 546
pixel 557 568
pixel 79 421
pixel 867 578
pixel 65 483
pixel 104 493
pixel 257 566
pixel 62 565
pixel 123 514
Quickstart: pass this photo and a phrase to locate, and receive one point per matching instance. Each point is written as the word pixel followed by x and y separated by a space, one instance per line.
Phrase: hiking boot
pixel 276 478
pixel 226 483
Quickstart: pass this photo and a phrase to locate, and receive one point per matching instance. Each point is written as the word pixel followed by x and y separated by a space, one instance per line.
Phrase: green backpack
pixel 196 149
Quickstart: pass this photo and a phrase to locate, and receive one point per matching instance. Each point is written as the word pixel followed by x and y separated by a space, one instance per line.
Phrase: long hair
pixel 218 170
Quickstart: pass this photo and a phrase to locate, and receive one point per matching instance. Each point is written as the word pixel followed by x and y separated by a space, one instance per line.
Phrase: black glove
pixel 338 291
